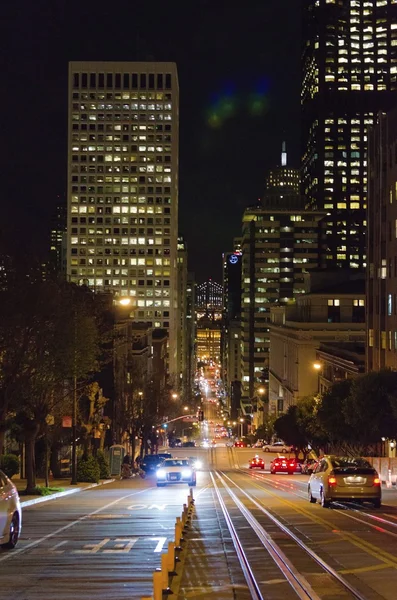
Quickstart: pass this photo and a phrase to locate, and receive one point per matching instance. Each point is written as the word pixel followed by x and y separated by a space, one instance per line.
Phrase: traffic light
pixel 201 415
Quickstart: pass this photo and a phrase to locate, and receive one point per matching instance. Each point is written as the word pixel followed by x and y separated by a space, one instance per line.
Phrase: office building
pixel 58 242
pixel 231 330
pixel 382 245
pixel 318 340
pixel 349 73
pixel 209 300
pixel 181 383
pixel 123 186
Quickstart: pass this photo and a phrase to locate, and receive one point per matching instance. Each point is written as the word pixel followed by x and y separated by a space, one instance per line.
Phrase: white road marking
pixel 54 549
pixel 161 542
pixel 122 548
pixel 147 506
pixel 65 527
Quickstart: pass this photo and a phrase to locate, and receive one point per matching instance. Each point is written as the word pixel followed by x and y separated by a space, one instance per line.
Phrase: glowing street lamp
pixel 174 396
pixel 317 366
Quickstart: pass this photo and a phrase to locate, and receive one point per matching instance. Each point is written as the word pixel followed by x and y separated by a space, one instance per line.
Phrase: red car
pixel 257 463
pixel 239 445
pixel 284 465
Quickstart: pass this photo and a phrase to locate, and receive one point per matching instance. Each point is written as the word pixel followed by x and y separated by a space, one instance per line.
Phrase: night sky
pixel 239 77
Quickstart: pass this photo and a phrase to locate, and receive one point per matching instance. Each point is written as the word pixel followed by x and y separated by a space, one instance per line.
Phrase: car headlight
pixel 161 473
pixel 198 464
pixel 186 473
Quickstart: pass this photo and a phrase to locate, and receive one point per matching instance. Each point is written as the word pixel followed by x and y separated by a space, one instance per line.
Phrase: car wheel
pixel 290 472
pixel 193 483
pixel 13 532
pixel 263 468
pixel 161 485
pixel 324 501
pixel 272 472
pixel 266 450
pixel 377 503
pixel 309 493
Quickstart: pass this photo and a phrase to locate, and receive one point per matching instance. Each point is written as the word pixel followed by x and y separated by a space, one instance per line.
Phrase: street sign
pixel 189 419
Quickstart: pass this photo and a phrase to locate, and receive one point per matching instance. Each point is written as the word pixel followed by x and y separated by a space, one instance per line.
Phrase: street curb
pixel 61 494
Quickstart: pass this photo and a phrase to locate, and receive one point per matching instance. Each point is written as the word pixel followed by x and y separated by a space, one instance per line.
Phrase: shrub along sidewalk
pixel 58 488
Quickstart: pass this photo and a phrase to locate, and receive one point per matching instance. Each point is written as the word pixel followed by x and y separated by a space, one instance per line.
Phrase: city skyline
pixel 234 112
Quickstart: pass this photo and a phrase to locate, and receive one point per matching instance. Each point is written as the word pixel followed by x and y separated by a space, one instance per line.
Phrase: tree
pixel 299 426
pixel 330 414
pixel 91 407
pixel 370 408
pixel 63 344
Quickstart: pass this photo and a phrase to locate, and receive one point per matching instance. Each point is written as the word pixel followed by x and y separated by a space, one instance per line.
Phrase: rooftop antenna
pixel 283 154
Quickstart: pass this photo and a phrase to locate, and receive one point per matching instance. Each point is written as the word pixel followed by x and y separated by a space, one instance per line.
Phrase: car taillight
pixel 331 480
pixel 376 481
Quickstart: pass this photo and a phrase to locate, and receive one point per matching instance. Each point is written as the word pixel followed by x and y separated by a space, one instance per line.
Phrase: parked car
pixel 239 444
pixel 10 513
pixel 259 444
pixel 256 463
pixel 284 465
pixel 164 455
pixel 188 444
pixel 278 447
pixel 344 478
pixel 176 470
pixel 151 462
pixel 309 465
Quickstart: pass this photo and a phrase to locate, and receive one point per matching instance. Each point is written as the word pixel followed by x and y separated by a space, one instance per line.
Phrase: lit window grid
pixel 96 276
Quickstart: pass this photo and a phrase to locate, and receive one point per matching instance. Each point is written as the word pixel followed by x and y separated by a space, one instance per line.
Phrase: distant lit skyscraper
pixel 349 73
pixel 209 299
pixel 58 237
pixel 123 185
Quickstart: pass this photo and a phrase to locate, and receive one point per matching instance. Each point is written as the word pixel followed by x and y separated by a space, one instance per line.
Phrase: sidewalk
pixel 64 484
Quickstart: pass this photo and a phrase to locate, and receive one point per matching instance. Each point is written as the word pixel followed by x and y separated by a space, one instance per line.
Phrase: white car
pixel 176 470
pixel 277 447
pixel 10 513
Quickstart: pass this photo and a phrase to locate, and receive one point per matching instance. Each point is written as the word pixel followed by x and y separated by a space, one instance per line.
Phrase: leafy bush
pixel 88 470
pixel 104 466
pixel 9 464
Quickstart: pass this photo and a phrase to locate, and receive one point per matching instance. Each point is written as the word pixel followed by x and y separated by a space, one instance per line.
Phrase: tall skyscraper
pixel 57 262
pixel 349 73
pixel 381 288
pixel 123 186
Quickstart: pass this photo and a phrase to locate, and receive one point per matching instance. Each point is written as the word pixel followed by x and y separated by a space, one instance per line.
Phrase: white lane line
pixel 79 520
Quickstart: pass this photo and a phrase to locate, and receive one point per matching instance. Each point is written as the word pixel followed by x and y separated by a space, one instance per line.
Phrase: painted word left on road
pixel 110 546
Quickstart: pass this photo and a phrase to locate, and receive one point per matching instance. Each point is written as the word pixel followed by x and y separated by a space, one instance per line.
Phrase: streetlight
pixel 174 396
pixel 317 366
pixel 185 408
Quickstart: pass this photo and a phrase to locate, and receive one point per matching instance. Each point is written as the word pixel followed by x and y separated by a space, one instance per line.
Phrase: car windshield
pixel 343 464
pixel 152 458
pixel 176 463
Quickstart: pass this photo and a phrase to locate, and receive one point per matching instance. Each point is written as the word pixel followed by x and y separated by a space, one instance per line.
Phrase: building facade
pixel 231 323
pixel 279 247
pixel 349 73
pixel 209 300
pixel 382 245
pixel 58 241
pixel 326 316
pixel 123 186
pixel 182 332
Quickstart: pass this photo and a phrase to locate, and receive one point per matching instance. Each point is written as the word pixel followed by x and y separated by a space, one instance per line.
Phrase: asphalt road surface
pixel 106 542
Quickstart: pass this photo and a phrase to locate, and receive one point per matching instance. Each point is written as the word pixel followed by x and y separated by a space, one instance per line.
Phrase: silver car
pixel 277 447
pixel 10 513
pixel 344 478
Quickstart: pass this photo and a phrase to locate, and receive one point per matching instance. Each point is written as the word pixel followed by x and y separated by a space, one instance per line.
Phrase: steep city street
pixel 106 542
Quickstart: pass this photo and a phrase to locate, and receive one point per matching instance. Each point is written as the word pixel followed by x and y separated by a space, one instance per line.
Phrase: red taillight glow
pixel 376 481
pixel 331 480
